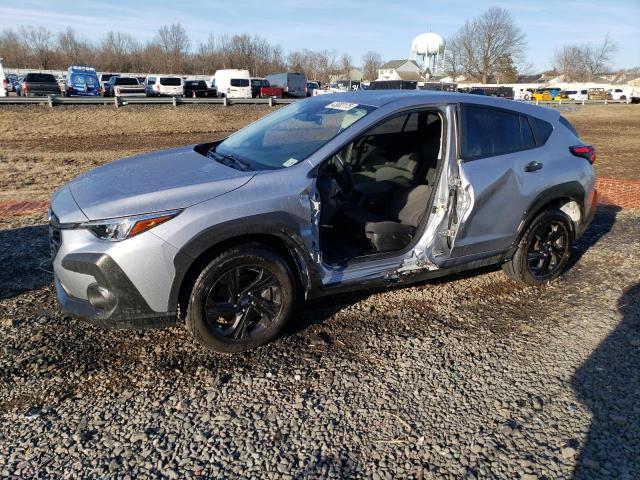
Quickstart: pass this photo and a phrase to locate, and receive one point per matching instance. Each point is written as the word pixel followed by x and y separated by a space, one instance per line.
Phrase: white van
pixel 232 83
pixel 579 95
pixel 4 81
pixel 159 85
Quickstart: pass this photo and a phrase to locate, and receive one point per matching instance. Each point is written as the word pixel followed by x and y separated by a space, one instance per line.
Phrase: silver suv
pixel 333 193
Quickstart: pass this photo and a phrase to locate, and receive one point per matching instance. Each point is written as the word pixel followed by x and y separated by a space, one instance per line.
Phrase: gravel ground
pixel 472 376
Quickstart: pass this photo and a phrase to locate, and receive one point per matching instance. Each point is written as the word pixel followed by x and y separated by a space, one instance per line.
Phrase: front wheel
pixel 241 300
pixel 543 250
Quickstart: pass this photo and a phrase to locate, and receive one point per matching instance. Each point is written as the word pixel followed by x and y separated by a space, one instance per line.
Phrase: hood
pixel 153 182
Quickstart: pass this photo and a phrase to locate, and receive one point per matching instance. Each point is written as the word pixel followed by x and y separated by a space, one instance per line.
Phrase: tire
pixel 249 293
pixel 544 249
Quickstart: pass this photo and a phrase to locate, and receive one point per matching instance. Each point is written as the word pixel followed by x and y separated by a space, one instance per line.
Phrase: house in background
pixel 400 70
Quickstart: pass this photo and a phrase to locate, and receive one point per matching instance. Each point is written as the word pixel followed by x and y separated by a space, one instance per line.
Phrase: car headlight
pixel 116 229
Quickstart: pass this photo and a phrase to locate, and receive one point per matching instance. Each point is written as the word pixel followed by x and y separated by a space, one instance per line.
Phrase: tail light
pixel 25 87
pixel 5 83
pixel 584 151
pixel 229 90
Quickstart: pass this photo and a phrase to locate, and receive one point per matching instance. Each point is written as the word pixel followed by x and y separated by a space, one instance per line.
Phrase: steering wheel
pixel 344 179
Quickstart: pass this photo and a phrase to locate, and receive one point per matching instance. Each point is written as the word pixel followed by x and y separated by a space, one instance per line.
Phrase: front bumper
pixel 114 284
pixel 112 300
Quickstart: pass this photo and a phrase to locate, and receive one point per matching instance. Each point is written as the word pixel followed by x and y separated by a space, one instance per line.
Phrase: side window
pixel 488 131
pixel 541 129
pixel 399 124
pixel 528 140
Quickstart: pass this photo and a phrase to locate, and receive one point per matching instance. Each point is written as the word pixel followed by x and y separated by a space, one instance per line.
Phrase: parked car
pixel 546 95
pixel 232 83
pixel 619 93
pixel 312 87
pixel 4 81
pixel 39 84
pixel 578 95
pixel 394 85
pixel 125 87
pixel 598 94
pixel 198 88
pixel 292 84
pixel 164 86
pixel 104 80
pixel 260 88
pixel 83 81
pixel 501 92
pixel 10 83
pixel 339 192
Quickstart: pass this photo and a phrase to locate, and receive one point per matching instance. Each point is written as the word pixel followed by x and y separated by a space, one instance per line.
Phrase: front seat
pixel 392 229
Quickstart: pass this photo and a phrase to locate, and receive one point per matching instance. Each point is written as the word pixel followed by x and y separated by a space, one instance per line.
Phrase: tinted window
pixel 541 129
pixel 528 140
pixel 40 78
pixel 126 81
pixel 567 124
pixel 239 82
pixel 171 81
pixel 487 132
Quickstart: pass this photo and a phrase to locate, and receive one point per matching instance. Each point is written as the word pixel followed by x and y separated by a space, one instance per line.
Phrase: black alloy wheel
pixel 243 302
pixel 548 247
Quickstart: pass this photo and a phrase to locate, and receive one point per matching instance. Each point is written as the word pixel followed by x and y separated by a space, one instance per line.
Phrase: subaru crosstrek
pixel 333 193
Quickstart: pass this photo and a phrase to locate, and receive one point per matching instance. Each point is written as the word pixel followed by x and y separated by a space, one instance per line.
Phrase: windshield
pixel 291 134
pixel 81 79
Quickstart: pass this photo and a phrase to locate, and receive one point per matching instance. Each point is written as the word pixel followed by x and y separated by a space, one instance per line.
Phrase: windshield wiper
pixel 235 162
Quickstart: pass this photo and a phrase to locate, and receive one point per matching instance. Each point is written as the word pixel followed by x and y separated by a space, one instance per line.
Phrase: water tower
pixel 429 47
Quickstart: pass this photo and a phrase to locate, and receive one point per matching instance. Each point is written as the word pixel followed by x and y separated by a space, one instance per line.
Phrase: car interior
pixel 375 191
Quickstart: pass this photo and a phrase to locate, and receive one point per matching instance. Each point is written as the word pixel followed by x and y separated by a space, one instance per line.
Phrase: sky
pixel 352 26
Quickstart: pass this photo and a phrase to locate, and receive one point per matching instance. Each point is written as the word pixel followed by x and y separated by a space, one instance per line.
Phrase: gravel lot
pixel 473 376
pixel 468 377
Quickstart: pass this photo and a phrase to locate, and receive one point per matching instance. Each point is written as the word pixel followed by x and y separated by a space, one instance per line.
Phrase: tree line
pixel 489 48
pixel 170 51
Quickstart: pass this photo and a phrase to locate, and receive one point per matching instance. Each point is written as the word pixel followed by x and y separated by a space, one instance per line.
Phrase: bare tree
pixel 486 41
pixel 597 58
pixel 73 49
pixel 116 51
pixel 453 57
pixel 39 40
pixel 371 63
pixel 13 49
pixel 346 65
pixel 174 42
pixel 584 62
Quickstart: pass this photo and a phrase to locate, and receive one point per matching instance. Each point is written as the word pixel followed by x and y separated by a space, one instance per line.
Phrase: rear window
pixel 239 82
pixel 171 81
pixel 126 81
pixel 40 78
pixel 567 124
pixel 259 83
pixel 541 129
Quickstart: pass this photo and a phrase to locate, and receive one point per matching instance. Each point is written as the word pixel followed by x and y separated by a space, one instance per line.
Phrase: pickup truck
pixel 124 87
pixel 198 88
pixel 34 84
pixel 260 88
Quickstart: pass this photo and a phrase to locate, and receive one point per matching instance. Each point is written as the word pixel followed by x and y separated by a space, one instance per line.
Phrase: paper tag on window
pixel 342 105
pixel 290 163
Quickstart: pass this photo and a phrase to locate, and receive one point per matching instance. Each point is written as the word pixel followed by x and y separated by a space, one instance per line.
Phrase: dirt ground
pixel 41 148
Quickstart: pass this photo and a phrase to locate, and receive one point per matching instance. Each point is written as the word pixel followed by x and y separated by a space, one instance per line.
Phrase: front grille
pixel 55 237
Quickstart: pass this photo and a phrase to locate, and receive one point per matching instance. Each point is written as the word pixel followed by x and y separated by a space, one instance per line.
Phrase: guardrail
pixel 53 100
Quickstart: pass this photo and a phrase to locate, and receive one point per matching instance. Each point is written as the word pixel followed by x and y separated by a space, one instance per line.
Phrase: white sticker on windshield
pixel 342 105
pixel 290 163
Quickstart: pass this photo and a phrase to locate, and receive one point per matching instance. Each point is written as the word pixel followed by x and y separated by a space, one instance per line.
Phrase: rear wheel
pixel 544 249
pixel 241 300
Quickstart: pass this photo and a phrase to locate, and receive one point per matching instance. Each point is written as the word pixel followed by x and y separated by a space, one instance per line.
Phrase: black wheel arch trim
pixel 259 228
pixel 572 190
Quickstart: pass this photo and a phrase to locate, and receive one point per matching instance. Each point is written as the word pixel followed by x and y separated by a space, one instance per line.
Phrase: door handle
pixel 533 166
